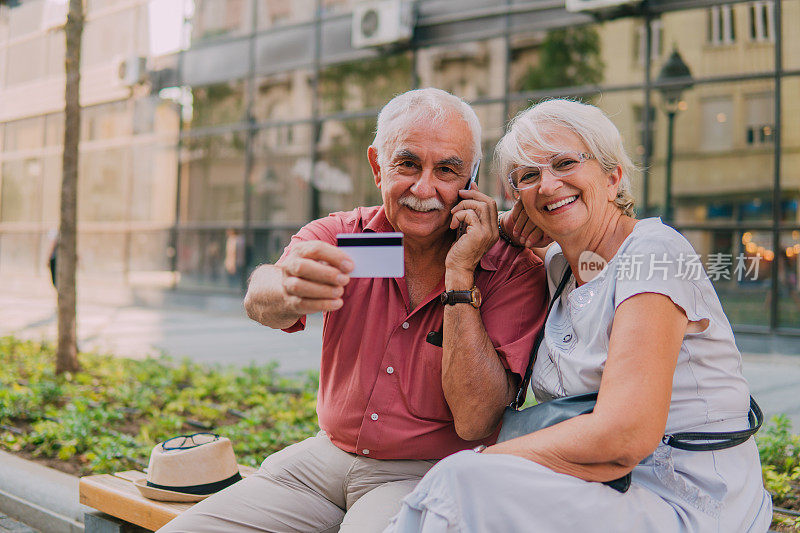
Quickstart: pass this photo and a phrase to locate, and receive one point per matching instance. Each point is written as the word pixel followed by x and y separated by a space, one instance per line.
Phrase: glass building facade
pixel 252 117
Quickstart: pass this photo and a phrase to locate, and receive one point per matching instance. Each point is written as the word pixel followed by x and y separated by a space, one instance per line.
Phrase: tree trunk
pixel 67 354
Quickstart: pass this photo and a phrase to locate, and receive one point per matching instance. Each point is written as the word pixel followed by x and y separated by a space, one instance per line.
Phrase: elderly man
pixel 405 379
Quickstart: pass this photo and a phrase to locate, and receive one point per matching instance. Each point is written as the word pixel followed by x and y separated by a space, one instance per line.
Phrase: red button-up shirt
pixel 380 389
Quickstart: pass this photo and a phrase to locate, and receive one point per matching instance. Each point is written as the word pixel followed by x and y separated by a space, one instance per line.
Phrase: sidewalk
pixel 9 524
pixel 223 334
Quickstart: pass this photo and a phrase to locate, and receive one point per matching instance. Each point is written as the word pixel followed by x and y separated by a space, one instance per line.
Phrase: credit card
pixel 375 255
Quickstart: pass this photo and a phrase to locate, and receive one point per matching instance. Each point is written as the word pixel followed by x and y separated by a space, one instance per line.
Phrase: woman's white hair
pixel 434 106
pixel 532 130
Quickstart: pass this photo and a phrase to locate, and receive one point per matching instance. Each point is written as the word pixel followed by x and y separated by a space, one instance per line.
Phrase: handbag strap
pixel 520 398
pixel 726 439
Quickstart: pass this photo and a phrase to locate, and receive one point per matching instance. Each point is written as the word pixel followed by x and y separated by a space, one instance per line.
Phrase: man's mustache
pixel 418 204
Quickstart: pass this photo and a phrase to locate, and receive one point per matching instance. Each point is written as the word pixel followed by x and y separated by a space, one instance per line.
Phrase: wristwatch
pixel 472 297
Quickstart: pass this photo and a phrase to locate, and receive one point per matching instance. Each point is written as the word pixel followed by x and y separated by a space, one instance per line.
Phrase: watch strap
pixel 456 297
pixel 472 297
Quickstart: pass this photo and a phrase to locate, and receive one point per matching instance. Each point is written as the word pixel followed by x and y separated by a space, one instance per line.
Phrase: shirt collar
pixel 380 224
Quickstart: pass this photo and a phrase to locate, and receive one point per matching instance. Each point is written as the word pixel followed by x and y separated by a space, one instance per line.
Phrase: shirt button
pixel 365 451
pixel 567 337
pixel 405 325
pixel 374 416
pixel 389 370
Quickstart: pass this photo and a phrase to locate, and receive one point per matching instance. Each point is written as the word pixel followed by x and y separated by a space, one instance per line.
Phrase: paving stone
pixel 8 524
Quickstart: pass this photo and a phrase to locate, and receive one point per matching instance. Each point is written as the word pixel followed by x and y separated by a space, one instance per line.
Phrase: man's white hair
pixel 434 106
pixel 532 129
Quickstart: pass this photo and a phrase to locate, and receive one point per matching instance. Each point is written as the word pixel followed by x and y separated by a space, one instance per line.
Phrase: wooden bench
pixel 115 495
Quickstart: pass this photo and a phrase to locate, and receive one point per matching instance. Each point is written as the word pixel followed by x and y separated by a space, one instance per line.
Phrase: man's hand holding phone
pixel 477 212
pixel 314 276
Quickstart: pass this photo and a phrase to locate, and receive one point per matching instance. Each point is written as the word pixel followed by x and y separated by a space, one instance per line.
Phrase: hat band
pixel 206 488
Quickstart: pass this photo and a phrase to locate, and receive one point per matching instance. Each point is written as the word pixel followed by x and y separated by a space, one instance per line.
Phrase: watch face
pixel 476 298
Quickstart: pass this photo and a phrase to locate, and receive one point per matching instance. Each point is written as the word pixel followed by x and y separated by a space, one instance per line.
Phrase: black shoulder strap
pixel 527 378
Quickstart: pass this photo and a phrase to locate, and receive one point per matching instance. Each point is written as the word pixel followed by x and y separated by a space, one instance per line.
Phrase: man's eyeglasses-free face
pixel 560 165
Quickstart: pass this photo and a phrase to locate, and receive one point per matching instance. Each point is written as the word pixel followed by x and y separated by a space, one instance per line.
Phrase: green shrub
pixel 777 446
pixel 779 450
pixel 108 416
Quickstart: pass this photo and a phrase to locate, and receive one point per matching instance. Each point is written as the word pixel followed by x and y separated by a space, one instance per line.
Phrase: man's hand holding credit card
pixel 375 255
pixel 313 277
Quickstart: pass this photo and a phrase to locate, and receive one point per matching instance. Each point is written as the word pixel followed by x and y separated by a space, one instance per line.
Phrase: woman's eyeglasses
pixel 560 165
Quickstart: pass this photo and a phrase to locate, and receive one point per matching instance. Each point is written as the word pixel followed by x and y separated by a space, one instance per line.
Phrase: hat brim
pixel 153 493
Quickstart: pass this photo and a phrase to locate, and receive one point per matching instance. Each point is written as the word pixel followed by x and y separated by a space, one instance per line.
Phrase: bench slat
pixel 130 475
pixel 116 495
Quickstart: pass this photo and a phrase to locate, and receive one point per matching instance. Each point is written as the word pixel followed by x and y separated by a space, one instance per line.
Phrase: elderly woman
pixel 635 322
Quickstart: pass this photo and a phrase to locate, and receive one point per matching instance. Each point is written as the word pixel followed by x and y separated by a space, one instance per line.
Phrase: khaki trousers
pixel 311 486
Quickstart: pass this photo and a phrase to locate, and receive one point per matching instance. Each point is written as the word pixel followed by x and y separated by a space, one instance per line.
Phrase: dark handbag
pixel 517 423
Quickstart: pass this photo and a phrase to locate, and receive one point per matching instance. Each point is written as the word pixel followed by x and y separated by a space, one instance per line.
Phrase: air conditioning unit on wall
pixel 601 6
pixel 380 22
pixel 131 70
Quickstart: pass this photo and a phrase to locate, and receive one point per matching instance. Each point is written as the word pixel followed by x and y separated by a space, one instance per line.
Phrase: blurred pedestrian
pixel 53 237
pixel 234 255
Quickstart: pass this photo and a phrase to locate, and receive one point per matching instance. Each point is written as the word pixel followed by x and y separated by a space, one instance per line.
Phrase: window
pixel 760 127
pixel 106 121
pixel 100 5
pixel 717 123
pixel 218 18
pixel 721 25
pixel 25 18
pixel 213 172
pixel 25 134
pixel 656 41
pixel 280 171
pixel 110 36
pixel 21 201
pixel 276 12
pixel 334 6
pixel 219 103
pixel 26 61
pixel 55 51
pixel 762 21
pixel 103 189
pixel 54 129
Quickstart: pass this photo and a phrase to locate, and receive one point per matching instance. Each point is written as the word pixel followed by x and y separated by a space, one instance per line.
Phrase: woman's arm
pixel 519 230
pixel 631 412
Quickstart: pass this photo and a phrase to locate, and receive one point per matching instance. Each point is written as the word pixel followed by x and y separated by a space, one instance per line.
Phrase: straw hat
pixel 189 468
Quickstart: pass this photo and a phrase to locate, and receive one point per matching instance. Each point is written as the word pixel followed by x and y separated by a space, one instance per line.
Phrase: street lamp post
pixel 673 79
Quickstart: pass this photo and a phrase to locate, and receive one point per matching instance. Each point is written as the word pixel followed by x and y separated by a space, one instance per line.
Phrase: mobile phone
pixel 474 177
pixel 462 227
